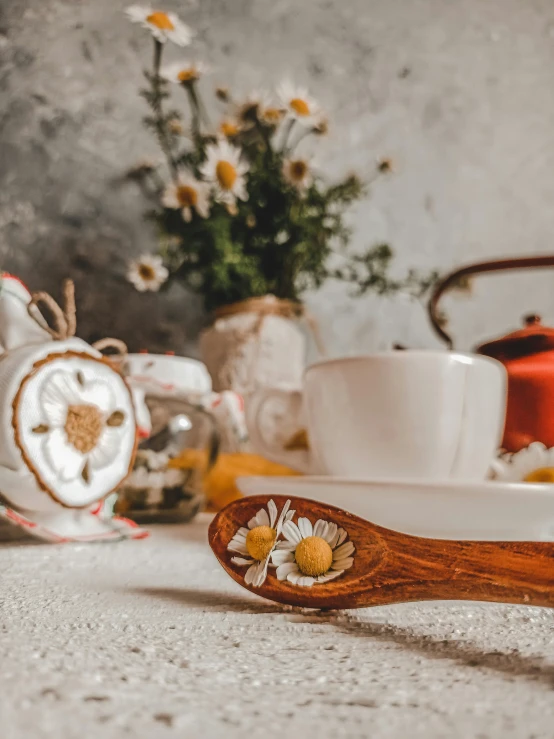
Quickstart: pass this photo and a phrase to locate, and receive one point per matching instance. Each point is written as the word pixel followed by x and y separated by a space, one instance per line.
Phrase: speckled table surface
pixel 151 639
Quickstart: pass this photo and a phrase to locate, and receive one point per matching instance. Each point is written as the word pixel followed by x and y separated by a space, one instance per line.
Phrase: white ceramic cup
pixel 402 414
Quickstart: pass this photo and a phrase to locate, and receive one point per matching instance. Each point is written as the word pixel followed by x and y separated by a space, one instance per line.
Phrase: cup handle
pixel 256 407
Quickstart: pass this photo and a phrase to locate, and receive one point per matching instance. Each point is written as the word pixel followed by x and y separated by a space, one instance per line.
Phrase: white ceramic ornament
pixel 67 416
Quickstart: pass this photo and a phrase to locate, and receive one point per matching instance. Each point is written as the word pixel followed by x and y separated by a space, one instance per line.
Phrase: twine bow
pixel 64 320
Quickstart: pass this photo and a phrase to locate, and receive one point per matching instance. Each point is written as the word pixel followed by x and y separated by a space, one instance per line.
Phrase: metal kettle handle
pixel 498 265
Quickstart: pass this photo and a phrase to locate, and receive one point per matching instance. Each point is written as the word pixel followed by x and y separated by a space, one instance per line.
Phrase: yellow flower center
pixel 313 556
pixel 298 169
pixel 300 106
pixel 187 196
pixel 160 20
pixel 188 75
pixel 226 174
pixel 83 426
pixel 543 474
pixel 259 541
pixel 146 272
pixel 272 115
pixel 228 128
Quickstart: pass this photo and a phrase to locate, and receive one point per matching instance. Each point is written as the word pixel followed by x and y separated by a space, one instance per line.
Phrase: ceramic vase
pixel 245 351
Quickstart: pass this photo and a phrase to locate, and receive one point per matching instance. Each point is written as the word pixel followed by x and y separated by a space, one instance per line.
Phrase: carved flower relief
pixel 82 427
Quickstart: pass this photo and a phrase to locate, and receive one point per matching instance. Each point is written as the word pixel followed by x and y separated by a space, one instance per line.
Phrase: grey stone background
pixel 458 94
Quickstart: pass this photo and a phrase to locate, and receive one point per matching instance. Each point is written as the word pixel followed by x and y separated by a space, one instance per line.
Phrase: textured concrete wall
pixel 458 94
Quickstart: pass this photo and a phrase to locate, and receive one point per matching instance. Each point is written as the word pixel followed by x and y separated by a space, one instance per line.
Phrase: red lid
pixel 532 339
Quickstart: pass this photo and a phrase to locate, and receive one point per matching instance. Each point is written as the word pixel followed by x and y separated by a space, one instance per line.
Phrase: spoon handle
pixel 391 567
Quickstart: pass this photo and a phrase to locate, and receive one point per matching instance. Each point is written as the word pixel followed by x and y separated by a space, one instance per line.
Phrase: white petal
pixel 282 517
pixel 254 573
pixel 58 392
pixel 272 509
pixel 306 528
pixel 329 575
pixel 305 581
pixel 241 561
pixel 243 532
pixel 284 570
pixel 341 536
pixel 289 515
pixel 100 394
pixel 331 535
pixel 320 528
pixel 345 550
pixel 289 546
pixel 261 574
pixel 237 546
pixel 187 214
pixel 343 564
pixel 292 532
pixel 280 556
pixel 63 458
pixel 106 449
pixel 293 576
pixel 260 519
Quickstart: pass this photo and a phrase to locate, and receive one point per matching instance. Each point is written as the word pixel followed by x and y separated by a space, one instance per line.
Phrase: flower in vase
pixel 187 194
pixel 272 115
pixel 312 554
pixel 162 25
pixel 229 128
pixel 147 273
pixel 297 173
pixel 183 73
pixel 299 105
pixel 225 171
pixel 256 543
pixel 534 463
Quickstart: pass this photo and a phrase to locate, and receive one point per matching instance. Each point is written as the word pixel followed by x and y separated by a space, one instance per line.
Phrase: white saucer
pixel 452 509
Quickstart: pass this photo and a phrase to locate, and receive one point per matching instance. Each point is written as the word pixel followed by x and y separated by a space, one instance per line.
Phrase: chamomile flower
pixel 225 171
pixel 183 73
pixel 147 273
pixel 229 128
pixel 312 554
pixel 297 173
pixel 162 25
pixel 256 543
pixel 188 194
pixel 299 105
pixel 534 463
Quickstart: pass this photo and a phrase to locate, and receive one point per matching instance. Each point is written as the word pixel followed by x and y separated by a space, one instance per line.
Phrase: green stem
pixel 163 138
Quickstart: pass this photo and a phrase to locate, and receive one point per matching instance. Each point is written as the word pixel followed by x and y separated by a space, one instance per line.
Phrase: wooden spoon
pixel 390 567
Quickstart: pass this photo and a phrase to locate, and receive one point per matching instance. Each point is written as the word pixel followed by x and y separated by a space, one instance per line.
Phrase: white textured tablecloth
pixel 151 639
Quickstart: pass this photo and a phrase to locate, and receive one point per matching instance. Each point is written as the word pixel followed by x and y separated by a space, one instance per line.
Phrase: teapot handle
pixel 497 265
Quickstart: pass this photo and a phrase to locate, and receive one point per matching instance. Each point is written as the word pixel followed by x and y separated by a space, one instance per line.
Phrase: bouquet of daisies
pixel 241 212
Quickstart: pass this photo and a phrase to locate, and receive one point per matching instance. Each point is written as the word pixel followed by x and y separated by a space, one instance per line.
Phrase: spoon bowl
pixel 390 567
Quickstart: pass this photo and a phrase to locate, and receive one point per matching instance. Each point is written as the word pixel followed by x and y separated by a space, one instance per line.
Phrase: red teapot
pixel 527 354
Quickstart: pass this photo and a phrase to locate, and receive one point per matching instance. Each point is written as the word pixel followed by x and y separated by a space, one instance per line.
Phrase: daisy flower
pixel 272 115
pixel 297 173
pixel 248 111
pixel 187 194
pixel 312 554
pixel 147 273
pixel 256 543
pixel 224 170
pixel 163 26
pixel 535 463
pixel 299 105
pixel 183 73
pixel 229 128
